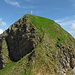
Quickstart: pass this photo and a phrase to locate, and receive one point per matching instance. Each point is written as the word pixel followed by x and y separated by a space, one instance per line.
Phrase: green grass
pixel 45 26
pixel 7 68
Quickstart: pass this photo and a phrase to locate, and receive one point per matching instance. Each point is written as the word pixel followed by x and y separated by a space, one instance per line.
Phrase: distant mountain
pixel 36 45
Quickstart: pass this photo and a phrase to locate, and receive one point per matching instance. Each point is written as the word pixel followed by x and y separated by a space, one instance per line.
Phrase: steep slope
pixel 36 45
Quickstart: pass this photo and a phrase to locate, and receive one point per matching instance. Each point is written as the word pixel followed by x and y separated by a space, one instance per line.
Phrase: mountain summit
pixel 35 45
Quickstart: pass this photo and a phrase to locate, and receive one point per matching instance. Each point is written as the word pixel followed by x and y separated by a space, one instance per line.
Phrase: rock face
pixel 66 58
pixel 38 46
pixel 21 38
pixel 1 63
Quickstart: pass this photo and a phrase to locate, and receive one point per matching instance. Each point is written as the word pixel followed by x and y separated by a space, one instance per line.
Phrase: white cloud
pixel 15 3
pixel 68 23
pixel 73 26
pixel 2 23
pixel 72 33
pixel 1 31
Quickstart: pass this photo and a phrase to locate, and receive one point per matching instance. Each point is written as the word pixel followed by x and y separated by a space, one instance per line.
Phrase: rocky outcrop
pixel 46 49
pixel 66 58
pixel 1 63
pixel 20 39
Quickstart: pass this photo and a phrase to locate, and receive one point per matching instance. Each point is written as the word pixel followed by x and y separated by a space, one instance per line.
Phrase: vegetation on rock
pixel 36 45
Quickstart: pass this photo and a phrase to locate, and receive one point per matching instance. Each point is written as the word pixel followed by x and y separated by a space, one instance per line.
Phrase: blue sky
pixel 62 11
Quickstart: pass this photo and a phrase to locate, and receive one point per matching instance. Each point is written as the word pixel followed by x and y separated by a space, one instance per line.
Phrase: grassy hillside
pixel 44 59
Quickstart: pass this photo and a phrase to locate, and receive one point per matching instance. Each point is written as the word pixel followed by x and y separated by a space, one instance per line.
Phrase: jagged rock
pixel 66 58
pixel 72 63
pixel 22 41
pixel 21 38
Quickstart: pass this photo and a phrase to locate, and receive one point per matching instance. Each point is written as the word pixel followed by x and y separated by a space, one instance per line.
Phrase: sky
pixel 61 11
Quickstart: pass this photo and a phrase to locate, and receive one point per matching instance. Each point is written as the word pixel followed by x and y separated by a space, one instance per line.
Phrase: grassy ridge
pixel 45 25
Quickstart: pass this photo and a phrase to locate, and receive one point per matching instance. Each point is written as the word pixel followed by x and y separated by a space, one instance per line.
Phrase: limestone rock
pixel 18 40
